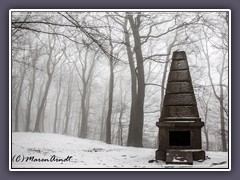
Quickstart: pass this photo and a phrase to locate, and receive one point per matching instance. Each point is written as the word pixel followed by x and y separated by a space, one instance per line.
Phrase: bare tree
pixel 68 103
pixel 103 116
pixel 32 82
pixel 219 95
pixel 51 65
pixel 56 116
pixel 111 85
pixel 23 70
pixel 86 65
pixel 122 107
pixel 206 133
pixel 136 125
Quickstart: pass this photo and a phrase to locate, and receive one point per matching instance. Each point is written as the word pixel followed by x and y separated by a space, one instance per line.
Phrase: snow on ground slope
pixel 38 150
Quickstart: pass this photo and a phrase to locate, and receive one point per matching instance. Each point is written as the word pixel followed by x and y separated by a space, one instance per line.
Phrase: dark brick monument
pixel 180 124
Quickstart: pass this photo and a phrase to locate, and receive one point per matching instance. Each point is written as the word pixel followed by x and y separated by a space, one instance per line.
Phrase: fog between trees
pixel 102 75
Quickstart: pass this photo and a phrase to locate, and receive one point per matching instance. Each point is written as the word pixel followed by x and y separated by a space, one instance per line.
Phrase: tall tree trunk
pixel 19 99
pixel 218 97
pixel 136 125
pixel 89 93
pixel 83 131
pixel 122 108
pixel 85 101
pixel 206 134
pixel 86 79
pixel 205 130
pixel 133 110
pixel 51 65
pixel 207 137
pixel 68 105
pixel 120 134
pixel 79 121
pixel 110 102
pixel 76 125
pixel 29 106
pixel 111 86
pixel 43 118
pixel 42 105
pixel 103 124
pixel 56 104
pixel 46 90
pixel 221 109
pixel 223 130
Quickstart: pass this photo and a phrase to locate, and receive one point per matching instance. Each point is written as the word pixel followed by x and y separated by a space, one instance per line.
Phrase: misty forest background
pixel 102 75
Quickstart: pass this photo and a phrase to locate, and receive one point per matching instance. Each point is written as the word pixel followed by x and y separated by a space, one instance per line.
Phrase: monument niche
pixel 179 125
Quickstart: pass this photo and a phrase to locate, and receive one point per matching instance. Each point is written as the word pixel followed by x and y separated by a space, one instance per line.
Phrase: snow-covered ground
pixel 39 150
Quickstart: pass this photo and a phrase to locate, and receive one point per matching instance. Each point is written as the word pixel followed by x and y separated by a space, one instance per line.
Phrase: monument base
pixel 197 154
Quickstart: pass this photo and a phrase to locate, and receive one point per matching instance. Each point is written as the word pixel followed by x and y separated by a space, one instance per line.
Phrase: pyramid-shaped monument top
pixel 179 124
pixel 179 102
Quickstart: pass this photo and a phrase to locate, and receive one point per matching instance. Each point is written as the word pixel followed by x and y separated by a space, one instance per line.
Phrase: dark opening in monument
pixel 179 138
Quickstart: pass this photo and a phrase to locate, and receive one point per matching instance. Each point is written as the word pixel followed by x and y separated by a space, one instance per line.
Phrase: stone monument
pixel 179 124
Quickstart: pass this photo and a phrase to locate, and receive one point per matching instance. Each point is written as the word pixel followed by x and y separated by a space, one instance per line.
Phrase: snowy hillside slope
pixel 38 150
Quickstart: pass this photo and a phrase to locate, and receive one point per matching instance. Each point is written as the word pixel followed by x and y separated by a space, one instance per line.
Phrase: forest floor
pixel 40 150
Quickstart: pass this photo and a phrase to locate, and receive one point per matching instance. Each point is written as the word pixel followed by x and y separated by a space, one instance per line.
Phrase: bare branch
pixel 51 33
pixel 152 112
pixel 156 55
pixel 153 84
